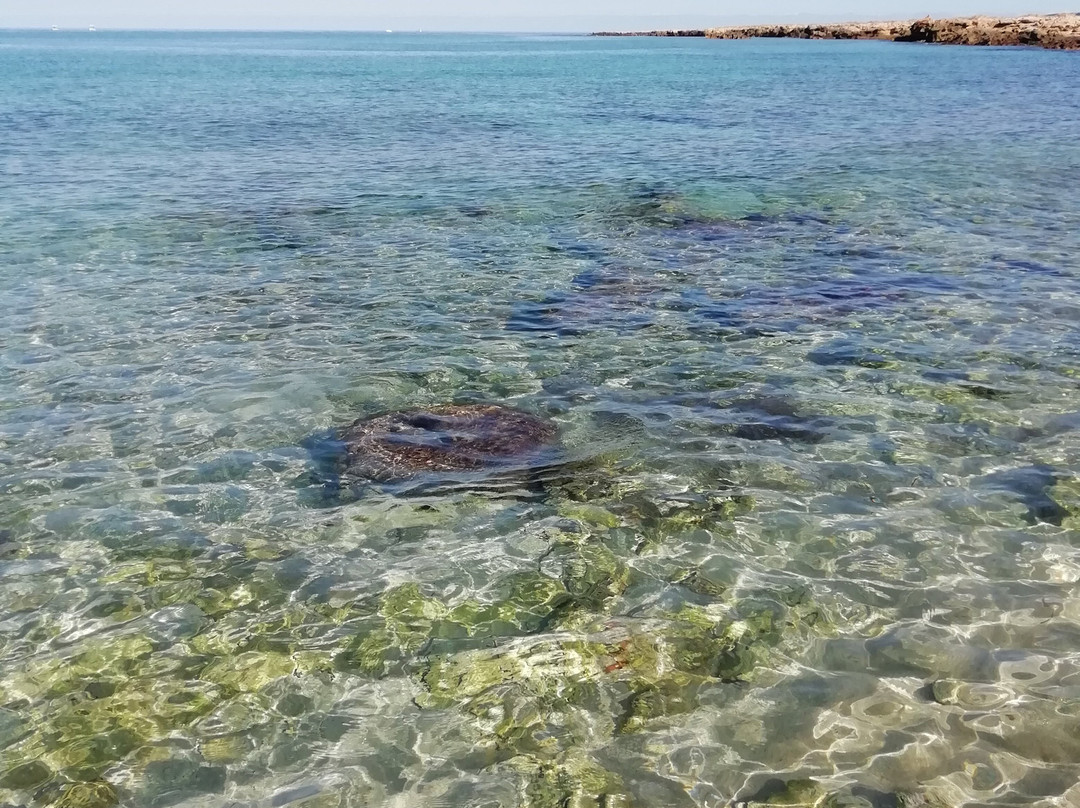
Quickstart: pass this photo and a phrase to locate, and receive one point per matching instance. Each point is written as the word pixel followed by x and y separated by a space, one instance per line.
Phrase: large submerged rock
pixel 404 444
pixel 600 299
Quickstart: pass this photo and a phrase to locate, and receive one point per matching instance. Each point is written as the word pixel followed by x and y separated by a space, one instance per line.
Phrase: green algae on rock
pixel 804 792
pixel 249 671
pixel 798 793
pixel 588 514
pixel 570 780
pixel 548 703
pixel 87 795
pixel 110 659
pixel 116 696
pixel 407 619
pixel 653 516
pixel 689 648
pixel 26 775
pixel 1066 492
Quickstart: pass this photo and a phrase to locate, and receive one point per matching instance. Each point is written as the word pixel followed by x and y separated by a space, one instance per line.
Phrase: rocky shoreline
pixel 1054 31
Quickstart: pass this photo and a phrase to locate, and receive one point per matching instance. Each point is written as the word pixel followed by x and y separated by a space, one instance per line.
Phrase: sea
pixel 807 318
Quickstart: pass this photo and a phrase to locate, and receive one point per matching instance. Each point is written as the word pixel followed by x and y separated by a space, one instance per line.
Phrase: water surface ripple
pixel 807 315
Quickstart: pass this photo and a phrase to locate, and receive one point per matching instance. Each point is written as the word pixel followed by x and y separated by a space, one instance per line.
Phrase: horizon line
pixel 99 30
pixel 446 25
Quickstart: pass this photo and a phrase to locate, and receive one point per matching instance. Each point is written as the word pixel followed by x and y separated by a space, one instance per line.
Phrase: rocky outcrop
pixel 698 32
pixel 1056 31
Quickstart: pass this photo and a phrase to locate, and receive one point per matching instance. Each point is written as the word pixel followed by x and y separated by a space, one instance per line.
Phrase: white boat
pixel 56 28
pixel 92 28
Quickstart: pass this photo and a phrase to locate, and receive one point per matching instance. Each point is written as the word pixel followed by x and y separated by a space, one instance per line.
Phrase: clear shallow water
pixel 806 313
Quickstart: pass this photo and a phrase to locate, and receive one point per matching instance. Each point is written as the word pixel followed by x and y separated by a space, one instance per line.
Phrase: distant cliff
pixel 1057 31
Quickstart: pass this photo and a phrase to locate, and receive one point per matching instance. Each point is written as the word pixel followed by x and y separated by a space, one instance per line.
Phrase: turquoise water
pixel 807 315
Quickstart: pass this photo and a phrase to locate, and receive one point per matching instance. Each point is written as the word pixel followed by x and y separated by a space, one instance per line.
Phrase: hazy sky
pixel 487 15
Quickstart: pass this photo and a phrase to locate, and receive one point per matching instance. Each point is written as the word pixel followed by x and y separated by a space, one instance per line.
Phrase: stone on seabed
pixel 444 438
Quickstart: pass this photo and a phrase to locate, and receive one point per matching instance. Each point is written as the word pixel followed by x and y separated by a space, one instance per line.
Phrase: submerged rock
pixel 798 792
pixel 97 794
pixel 400 445
pixel 601 299
pixel 848 352
pixel 1032 486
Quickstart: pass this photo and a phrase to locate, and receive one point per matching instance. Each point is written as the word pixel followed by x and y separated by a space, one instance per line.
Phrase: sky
pixel 474 15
